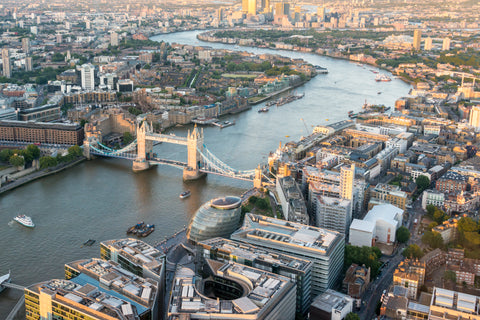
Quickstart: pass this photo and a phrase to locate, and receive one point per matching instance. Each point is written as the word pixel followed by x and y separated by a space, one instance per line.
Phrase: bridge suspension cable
pixel 215 164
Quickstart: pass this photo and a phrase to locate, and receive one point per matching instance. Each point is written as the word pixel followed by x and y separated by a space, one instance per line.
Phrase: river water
pixel 100 199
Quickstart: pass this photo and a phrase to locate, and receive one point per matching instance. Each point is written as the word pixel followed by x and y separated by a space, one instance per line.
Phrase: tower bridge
pixel 200 160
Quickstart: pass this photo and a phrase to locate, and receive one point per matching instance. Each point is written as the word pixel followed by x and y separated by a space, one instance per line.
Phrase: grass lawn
pixel 233 75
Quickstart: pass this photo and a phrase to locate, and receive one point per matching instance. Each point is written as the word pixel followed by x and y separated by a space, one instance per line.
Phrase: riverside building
pixel 323 247
pixel 297 269
pixel 110 278
pixel 231 291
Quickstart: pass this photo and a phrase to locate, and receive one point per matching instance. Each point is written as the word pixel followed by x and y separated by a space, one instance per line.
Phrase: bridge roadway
pixel 12 286
pixel 166 138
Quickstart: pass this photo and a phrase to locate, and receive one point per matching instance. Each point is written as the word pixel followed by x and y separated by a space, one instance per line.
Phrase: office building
pixel 334 214
pixel 114 39
pixel 94 289
pixel 7 66
pixel 298 269
pixel 59 38
pixel 41 132
pixel 87 73
pixel 417 39
pixel 447 304
pixel 125 85
pixel 291 200
pixel 245 6
pixel 217 218
pixel 28 64
pixel 428 44
pixel 347 176
pixel 231 291
pixel 26 45
pixel 388 194
pixel 252 7
pixel 331 305
pixel 446 44
pixel 320 13
pixel 138 258
pixel 474 118
pixel 111 278
pixel 323 247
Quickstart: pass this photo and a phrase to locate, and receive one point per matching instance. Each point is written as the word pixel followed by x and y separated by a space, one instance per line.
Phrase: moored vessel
pixel 185 194
pixel 4 279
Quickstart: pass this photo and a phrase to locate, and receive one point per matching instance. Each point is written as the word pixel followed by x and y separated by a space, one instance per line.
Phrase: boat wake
pixel 11 223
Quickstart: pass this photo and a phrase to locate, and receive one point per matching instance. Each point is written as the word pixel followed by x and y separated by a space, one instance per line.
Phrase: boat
pixel 135 228
pixel 4 279
pixel 89 242
pixel 149 228
pixel 185 194
pixel 24 220
pixel 265 109
pixel 382 78
pixel 379 92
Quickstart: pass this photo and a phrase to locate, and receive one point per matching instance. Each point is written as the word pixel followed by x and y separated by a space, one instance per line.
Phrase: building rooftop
pixel 294 235
pixel 387 212
pixel 40 125
pixel 138 252
pixel 362 225
pixel 453 300
pixel 240 249
pixel 119 282
pixel 85 294
pixel 331 300
pixel 260 290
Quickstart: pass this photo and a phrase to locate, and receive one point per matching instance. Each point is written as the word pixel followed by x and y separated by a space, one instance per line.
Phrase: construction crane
pixel 306 127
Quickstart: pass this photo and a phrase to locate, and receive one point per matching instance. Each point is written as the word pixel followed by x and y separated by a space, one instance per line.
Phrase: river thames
pixel 100 199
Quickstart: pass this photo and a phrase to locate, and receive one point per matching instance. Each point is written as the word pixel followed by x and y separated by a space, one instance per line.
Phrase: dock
pixel 224 124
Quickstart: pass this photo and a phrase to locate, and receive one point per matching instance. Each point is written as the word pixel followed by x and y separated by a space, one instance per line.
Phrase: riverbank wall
pixel 38 175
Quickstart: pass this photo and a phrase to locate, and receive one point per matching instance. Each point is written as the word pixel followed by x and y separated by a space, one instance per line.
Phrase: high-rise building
pixel 245 6
pixel 7 66
pixel 252 7
pixel 59 38
pixel 428 44
pixel 282 8
pixel 26 45
pixel 334 214
pixel 474 118
pixel 320 13
pixel 300 270
pixel 88 76
pixel 325 248
pixel 34 29
pixel 446 44
pixel 114 39
pixel 347 176
pixel 265 6
pixel 28 64
pixel 417 39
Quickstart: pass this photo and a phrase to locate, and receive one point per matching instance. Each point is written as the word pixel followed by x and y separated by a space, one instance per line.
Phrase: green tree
pixel 352 316
pixel 262 204
pixel 83 122
pixel 433 239
pixel 403 234
pixel 75 150
pixel 5 155
pixel 127 137
pixel 413 251
pixel 450 275
pixel 17 160
pixel 34 151
pixel 422 182
pixel 369 256
pixel 47 161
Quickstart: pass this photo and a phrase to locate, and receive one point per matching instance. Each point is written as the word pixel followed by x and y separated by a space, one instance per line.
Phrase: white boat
pixel 3 279
pixel 24 220
pixel 185 194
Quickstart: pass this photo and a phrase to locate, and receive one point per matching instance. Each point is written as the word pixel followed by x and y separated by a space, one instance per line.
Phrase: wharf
pixel 224 124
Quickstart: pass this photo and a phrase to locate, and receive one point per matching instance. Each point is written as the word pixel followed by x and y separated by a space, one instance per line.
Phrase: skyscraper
pixel 347 175
pixel 114 39
pixel 88 76
pixel 244 6
pixel 7 67
pixel 474 119
pixel 252 7
pixel 417 39
pixel 28 64
pixel 446 44
pixel 26 45
pixel 428 44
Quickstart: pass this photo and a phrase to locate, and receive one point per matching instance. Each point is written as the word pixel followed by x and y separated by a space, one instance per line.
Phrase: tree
pixel 75 151
pixel 5 155
pixel 422 182
pixel 450 275
pixel 433 239
pixel 413 251
pixel 369 256
pixel 403 234
pixel 48 161
pixel 352 316
pixel 127 137
pixel 34 151
pixel 17 161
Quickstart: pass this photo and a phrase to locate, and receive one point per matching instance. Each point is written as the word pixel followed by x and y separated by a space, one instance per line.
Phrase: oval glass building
pixel 219 217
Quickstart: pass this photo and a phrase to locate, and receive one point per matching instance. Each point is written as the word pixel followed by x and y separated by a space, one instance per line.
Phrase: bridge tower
pixel 144 147
pixel 194 162
pixel 257 181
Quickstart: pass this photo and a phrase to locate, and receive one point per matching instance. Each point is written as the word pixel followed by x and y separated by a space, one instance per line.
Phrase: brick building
pixel 40 132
